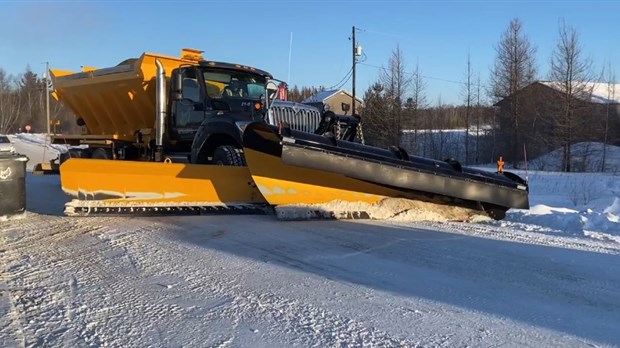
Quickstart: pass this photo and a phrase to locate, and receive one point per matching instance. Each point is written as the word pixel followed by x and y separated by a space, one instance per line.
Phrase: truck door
pixel 188 112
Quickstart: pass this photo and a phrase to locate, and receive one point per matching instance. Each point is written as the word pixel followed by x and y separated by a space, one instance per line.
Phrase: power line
pixel 412 74
pixel 341 83
pixel 380 33
pixel 347 80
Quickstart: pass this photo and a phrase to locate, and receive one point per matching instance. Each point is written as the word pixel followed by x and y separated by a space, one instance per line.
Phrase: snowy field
pixel 544 277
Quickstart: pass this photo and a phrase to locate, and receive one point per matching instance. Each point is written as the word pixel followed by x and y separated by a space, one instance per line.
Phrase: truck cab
pixel 208 105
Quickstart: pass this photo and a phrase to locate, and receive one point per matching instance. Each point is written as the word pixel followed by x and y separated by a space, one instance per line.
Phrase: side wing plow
pixel 291 167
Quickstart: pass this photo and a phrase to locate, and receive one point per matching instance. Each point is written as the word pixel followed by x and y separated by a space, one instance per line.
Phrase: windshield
pixel 234 84
pixel 4 139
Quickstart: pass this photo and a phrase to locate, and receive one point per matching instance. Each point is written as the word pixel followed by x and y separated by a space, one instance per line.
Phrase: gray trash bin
pixel 12 184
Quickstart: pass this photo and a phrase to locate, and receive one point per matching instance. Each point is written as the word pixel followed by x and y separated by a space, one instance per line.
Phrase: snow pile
pixel 396 209
pixel 36 147
pixel 613 211
pixel 12 217
pixel 39 140
pixel 585 157
pixel 575 204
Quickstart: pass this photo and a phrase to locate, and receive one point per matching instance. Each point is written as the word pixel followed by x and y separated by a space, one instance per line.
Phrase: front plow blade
pixel 102 186
pixel 306 168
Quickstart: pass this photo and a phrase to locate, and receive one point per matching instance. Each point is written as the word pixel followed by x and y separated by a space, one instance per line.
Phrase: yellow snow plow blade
pixel 282 184
pixel 121 186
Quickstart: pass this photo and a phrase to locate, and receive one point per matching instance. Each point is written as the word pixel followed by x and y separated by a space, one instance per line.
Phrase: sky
pixel 306 43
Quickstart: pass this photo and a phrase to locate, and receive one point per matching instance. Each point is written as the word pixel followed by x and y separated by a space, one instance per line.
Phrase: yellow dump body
pixel 115 102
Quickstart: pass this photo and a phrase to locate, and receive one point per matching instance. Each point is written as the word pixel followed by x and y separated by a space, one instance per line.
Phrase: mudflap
pixel 100 186
pixel 292 168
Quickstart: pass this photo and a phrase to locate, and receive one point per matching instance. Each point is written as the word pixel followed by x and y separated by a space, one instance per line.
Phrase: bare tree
pixel 395 82
pixel 478 112
pixel 469 95
pixel 514 69
pixel 572 75
pixel 436 131
pixel 418 103
pixel 9 103
pixel 611 97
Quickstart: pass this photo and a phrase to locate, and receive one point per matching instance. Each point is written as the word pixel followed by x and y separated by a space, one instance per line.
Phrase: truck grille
pixel 299 117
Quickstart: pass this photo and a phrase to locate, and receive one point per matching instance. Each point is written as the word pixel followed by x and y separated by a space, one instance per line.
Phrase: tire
pixel 228 155
pixel 73 154
pixel 495 212
pixel 101 153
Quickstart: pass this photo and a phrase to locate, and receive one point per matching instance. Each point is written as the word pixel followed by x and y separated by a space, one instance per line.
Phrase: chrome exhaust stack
pixel 160 110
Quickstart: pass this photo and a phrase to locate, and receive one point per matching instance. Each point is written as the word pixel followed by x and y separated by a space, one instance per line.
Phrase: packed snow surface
pixel 407 277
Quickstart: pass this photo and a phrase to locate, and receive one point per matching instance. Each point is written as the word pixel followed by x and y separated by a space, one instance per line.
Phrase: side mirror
pixel 272 90
pixel 177 86
pixel 345 107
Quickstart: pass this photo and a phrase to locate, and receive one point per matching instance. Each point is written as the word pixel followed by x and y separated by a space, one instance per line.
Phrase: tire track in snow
pixel 136 282
pixel 26 277
pixel 11 323
pixel 303 323
pixel 51 308
pixel 510 233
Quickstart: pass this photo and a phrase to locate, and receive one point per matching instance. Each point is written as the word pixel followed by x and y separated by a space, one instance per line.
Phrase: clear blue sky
pixel 434 34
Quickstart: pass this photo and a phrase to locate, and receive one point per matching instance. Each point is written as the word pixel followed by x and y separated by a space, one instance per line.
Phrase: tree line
pixel 23 103
pixel 509 115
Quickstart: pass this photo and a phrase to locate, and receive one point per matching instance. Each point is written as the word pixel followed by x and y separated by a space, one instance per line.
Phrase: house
pixel 337 100
pixel 542 125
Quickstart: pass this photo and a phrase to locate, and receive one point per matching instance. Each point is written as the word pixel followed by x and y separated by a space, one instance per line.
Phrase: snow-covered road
pixel 241 281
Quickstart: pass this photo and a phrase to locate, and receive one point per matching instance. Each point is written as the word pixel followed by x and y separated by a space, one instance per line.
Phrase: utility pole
pixel 353 76
pixel 47 95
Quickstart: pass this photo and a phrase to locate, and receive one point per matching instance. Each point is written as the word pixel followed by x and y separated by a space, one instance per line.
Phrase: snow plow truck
pixel 165 134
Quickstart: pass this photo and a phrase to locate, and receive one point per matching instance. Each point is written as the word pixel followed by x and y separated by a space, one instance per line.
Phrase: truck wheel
pixel 101 153
pixel 228 155
pixel 74 153
pixel 69 154
pixel 494 211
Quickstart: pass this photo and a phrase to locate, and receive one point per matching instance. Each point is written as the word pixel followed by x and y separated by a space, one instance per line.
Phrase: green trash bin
pixel 12 184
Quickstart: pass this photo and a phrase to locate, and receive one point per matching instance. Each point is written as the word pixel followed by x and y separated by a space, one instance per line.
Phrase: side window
pixel 191 89
pixel 184 113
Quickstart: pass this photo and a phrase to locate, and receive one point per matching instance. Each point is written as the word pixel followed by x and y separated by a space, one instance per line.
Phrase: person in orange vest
pixel 500 165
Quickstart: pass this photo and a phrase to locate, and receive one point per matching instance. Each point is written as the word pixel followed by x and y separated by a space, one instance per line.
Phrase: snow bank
pixel 36 147
pixel 395 209
pixel 585 157
pixel 12 217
